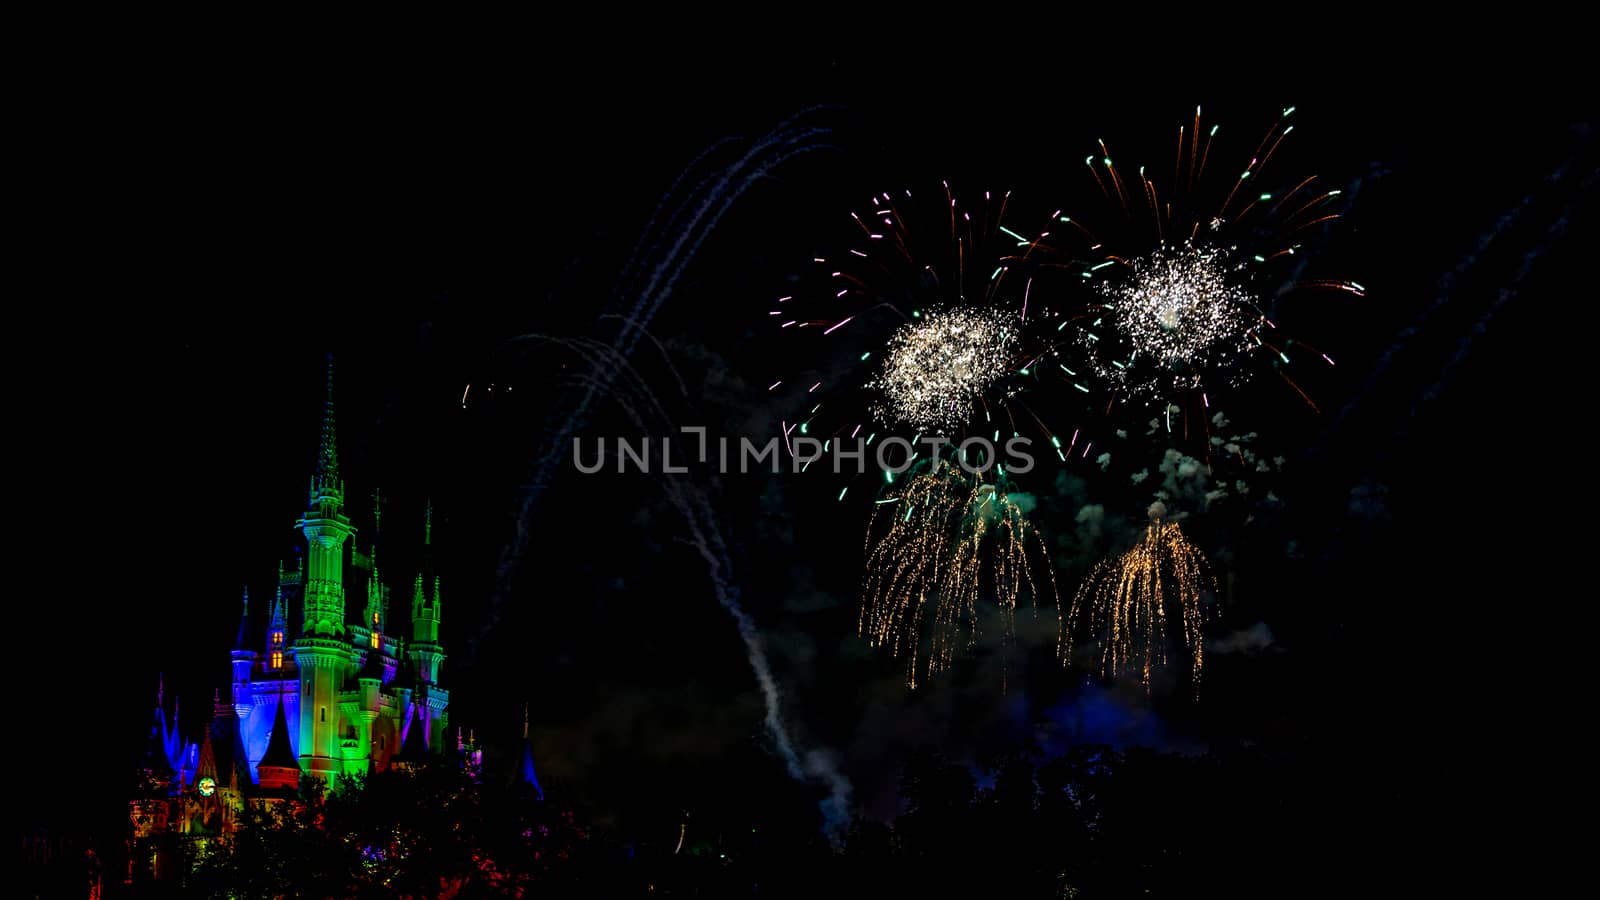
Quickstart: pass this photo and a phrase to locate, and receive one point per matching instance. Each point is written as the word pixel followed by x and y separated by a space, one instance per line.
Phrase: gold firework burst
pixel 953 540
pixel 1130 604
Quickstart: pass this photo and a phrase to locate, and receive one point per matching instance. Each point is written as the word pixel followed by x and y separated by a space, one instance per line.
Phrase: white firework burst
pixel 1183 309
pixel 937 367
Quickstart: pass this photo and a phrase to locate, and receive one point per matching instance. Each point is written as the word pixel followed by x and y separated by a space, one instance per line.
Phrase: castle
pixel 315 696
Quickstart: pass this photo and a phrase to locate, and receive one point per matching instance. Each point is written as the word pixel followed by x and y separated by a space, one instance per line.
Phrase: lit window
pixel 277 659
pixel 374 640
pixel 277 639
pixel 374 620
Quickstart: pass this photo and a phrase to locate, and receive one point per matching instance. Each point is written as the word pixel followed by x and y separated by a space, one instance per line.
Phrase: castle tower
pixel 314 697
pixel 424 652
pixel 321 653
pixel 363 705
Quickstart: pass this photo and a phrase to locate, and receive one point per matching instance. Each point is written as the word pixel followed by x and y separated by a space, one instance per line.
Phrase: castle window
pixel 374 620
pixel 374 640
pixel 277 639
pixel 323 711
pixel 277 659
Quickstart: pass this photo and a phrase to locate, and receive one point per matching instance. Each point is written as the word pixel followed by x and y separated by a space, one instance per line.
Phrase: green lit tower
pixel 363 702
pixel 321 654
pixel 424 651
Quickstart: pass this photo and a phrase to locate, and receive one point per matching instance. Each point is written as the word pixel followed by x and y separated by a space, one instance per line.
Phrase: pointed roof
pixel 279 754
pixel 525 772
pixel 279 618
pixel 157 759
pixel 207 765
pixel 242 641
pixel 173 738
pixel 232 757
pixel 415 747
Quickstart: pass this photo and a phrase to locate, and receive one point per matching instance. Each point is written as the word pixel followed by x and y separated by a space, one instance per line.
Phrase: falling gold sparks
pixel 1129 603
pixel 936 368
pixel 952 539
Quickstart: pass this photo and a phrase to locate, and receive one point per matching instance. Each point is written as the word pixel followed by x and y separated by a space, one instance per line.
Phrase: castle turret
pixel 278 630
pixel 320 653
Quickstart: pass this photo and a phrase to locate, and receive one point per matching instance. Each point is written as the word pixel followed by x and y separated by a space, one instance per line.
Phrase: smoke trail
pixel 670 241
pixel 632 394
pixel 1554 233
pixel 694 507
pixel 1444 290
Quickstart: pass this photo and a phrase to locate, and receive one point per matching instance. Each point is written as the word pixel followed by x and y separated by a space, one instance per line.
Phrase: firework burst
pixel 1183 310
pixel 933 317
pixel 1133 603
pixel 939 544
pixel 936 369
pixel 1185 274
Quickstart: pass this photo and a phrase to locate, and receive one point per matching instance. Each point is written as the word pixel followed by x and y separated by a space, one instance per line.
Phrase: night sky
pixel 212 238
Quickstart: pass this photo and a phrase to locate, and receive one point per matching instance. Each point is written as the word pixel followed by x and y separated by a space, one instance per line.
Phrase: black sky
pixel 209 234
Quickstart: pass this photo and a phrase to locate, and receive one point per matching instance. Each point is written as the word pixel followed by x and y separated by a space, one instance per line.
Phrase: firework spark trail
pixel 1125 603
pixel 628 389
pixel 1554 233
pixel 680 235
pixel 1444 289
pixel 951 536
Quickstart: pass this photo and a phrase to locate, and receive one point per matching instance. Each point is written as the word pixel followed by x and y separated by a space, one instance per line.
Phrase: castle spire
pixel 377 599
pixel 277 599
pixel 318 652
pixel 328 454
pixel 157 766
pixel 242 641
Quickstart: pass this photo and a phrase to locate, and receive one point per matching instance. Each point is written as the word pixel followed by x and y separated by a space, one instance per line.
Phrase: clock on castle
pixel 327 685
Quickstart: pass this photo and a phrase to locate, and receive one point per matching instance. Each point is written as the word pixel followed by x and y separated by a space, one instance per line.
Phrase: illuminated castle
pixel 316 694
